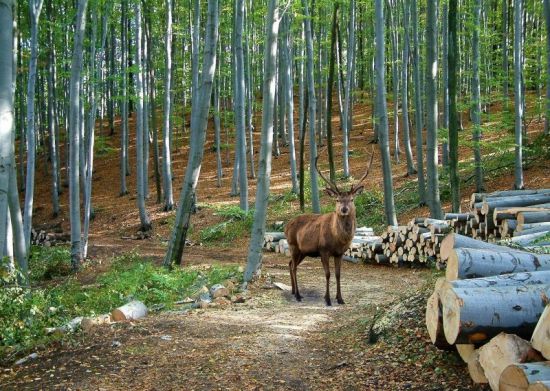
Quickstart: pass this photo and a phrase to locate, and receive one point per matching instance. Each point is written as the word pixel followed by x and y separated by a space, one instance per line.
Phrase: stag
pixel 324 235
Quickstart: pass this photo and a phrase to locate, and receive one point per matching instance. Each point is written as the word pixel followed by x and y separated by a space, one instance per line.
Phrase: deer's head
pixel 345 205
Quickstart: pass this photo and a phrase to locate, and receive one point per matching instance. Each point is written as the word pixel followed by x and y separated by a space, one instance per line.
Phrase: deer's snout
pixel 344 210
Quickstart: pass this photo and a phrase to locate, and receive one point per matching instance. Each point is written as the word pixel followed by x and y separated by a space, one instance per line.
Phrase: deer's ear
pixel 331 192
pixel 358 189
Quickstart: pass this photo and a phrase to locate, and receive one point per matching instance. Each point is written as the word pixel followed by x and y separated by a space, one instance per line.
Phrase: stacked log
pixel 490 304
pixel 49 239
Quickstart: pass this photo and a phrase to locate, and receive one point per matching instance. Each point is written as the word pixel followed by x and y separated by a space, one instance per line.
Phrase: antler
pixel 366 173
pixel 332 185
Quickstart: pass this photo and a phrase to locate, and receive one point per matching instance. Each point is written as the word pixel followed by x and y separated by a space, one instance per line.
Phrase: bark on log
pixel 475 369
pixel 499 353
pixel 488 205
pixel 530 226
pixel 533 217
pixel 454 240
pixel 512 212
pixel 512 279
pixel 519 376
pixel 526 240
pixel 541 335
pixel 478 197
pixel 133 310
pixel 471 263
pixel 473 315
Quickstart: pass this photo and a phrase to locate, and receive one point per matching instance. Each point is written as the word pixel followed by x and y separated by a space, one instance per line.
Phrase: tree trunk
pixel 254 258
pixel 166 157
pixel 547 19
pixel 74 132
pixel 411 170
pixel 518 93
pixel 471 263
pixel 348 93
pixel 330 83
pixel 395 77
pixel 453 55
pixel 288 82
pixel 418 105
pixel 474 315
pixel 124 103
pixel 316 205
pixel 35 9
pixel 431 112
pixel 240 106
pixel 382 116
pixel 445 78
pixel 476 99
pixel 199 119
pixel 145 222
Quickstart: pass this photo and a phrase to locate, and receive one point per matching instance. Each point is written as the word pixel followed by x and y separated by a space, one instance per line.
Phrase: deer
pixel 324 235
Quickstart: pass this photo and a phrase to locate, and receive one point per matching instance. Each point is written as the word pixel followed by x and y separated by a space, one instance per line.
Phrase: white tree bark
pixel 254 258
pixel 166 157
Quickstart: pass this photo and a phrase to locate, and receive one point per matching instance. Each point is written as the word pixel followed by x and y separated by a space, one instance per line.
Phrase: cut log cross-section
pixel 541 335
pixel 133 310
pixel 473 315
pixel 520 376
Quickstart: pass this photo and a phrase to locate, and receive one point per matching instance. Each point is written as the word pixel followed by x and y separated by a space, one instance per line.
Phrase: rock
pixel 222 301
pixel 166 337
pixel 219 290
pixel 230 285
pixel 116 344
pixel 22 361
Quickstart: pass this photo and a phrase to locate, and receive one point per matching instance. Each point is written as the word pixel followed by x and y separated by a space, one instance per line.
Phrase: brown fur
pixel 327 235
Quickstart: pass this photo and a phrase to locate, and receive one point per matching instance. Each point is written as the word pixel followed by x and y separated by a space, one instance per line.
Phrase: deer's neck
pixel 345 225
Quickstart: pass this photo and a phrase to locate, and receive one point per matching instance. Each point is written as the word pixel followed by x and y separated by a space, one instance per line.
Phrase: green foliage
pixel 237 223
pixel 48 262
pixel 25 313
pixel 102 146
pixel 369 207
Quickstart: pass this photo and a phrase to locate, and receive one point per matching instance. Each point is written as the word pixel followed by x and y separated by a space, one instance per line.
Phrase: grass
pixel 25 312
pixel 237 223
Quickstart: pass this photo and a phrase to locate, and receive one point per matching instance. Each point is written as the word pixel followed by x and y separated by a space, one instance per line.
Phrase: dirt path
pixel 269 342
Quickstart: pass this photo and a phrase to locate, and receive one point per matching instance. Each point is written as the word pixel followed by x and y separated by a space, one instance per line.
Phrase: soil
pixel 376 341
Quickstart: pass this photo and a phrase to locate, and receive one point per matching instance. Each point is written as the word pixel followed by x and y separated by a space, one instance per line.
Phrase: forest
pixel 154 153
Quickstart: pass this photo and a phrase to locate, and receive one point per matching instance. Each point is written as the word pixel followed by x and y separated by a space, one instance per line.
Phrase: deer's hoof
pixel 340 301
pixel 298 298
pixel 328 302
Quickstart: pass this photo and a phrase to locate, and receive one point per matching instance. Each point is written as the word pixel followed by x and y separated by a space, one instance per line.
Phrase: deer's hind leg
pixel 324 260
pixel 337 264
pixel 296 259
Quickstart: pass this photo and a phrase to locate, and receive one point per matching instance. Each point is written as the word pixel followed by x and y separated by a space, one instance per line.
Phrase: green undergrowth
pixel 25 313
pixel 236 224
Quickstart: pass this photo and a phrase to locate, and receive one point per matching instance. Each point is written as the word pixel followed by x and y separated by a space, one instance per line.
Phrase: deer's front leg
pixel 337 264
pixel 326 266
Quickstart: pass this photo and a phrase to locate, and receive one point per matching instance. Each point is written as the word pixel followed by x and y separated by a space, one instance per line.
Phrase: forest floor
pixel 377 340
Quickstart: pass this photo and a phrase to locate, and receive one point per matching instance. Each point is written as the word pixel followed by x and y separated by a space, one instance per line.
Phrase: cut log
pixel 541 335
pixel 454 240
pixel 518 376
pixel 489 204
pixel 473 315
pixel 530 226
pixel 499 353
pixel 465 351
pixel 539 386
pixel 475 370
pixel 274 236
pixel 478 197
pixel 133 310
pixel 533 217
pixel 434 322
pixel 471 263
pixel 512 279
pixel 511 213
pixel 526 240
pixel 89 323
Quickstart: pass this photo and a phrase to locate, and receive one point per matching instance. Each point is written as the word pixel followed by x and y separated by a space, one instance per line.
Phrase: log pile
pixel 43 238
pixel 492 307
pixel 505 214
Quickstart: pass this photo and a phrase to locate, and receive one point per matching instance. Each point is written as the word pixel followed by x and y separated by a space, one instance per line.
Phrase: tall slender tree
pixel 547 19
pixel 382 114
pixel 330 83
pixel 199 119
pixel 74 132
pixel 240 105
pixel 518 92
pixel 434 202
pixel 124 103
pixel 315 203
pixel 476 98
pixel 419 114
pixel 453 55
pixel 254 258
pixel 411 170
pixel 35 10
pixel 166 156
pixel 348 93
